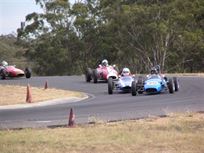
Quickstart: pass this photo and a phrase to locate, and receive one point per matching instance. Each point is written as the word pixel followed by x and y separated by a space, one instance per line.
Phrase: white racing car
pixel 123 84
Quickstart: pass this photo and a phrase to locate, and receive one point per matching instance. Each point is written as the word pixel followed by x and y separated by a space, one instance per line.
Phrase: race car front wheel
pixel 95 79
pixel 110 86
pixel 176 84
pixel 88 75
pixel 27 73
pixel 133 88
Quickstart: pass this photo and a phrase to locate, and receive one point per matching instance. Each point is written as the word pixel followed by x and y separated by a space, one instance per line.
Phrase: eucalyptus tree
pixel 50 34
pixel 187 49
pixel 66 38
pixel 147 33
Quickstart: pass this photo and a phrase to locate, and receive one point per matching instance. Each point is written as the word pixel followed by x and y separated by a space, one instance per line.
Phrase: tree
pixel 66 39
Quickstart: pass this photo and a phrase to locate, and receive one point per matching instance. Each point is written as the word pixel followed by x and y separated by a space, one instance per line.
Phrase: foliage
pixel 67 38
pixel 12 52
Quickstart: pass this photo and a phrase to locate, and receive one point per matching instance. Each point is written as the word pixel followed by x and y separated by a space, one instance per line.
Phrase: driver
pixel 104 63
pixel 3 65
pixel 158 69
pixel 154 71
pixel 125 72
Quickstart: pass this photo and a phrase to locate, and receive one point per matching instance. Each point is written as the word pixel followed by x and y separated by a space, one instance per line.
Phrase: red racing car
pixel 102 72
pixel 12 71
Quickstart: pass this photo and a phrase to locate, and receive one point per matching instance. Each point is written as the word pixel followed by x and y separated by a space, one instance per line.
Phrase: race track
pixel 100 105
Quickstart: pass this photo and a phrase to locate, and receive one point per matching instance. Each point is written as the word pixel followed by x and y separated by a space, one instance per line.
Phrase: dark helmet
pixel 158 68
pixel 154 71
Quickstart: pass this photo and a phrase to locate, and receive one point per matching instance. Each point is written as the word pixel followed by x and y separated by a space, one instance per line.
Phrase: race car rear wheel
pixel 88 74
pixel 95 79
pixel 171 86
pixel 176 84
pixel 3 74
pixel 27 73
pixel 133 88
pixel 110 86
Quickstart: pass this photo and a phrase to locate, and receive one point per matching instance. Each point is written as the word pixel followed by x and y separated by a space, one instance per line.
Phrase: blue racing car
pixel 154 84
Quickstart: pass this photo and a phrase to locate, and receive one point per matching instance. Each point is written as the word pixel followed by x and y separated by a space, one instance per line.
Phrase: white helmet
pixel 125 71
pixel 4 63
pixel 105 62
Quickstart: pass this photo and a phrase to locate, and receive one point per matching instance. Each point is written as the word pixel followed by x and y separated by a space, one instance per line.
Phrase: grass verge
pixel 10 95
pixel 178 133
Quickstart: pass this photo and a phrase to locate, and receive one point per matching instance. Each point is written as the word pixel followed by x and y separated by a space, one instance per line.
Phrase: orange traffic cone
pixel 28 94
pixel 71 118
pixel 46 85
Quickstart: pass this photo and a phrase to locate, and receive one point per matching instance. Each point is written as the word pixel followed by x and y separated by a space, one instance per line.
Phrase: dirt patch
pixel 17 94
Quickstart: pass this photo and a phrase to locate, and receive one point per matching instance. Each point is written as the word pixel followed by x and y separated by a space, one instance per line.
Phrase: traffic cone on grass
pixel 46 85
pixel 71 121
pixel 28 95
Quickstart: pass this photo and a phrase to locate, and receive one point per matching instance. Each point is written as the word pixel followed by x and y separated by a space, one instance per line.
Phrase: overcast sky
pixel 12 12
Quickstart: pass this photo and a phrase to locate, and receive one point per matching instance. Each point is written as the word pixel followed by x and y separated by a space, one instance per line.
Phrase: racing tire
pixel 110 86
pixel 133 88
pixel 27 73
pixel 176 84
pixel 3 74
pixel 95 78
pixel 88 74
pixel 139 84
pixel 171 86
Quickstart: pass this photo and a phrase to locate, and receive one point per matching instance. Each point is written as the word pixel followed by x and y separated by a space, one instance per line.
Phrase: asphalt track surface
pixel 100 106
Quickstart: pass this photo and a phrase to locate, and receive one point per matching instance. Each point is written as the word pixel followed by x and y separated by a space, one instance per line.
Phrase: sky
pixel 13 12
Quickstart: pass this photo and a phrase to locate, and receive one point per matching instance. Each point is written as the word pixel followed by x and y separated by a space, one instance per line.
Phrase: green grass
pixel 183 133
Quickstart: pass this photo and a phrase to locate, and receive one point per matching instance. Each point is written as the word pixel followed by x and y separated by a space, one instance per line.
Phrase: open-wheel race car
pixel 123 84
pixel 102 72
pixel 154 84
pixel 11 71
